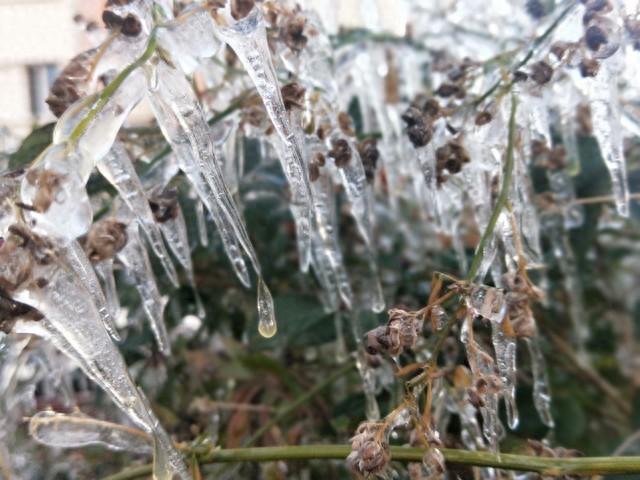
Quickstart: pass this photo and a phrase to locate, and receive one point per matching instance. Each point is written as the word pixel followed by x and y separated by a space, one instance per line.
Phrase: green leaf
pixel 32 146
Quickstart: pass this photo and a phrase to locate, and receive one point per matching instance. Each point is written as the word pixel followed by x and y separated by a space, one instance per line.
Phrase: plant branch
pixel 502 198
pixel 111 88
pixel 546 466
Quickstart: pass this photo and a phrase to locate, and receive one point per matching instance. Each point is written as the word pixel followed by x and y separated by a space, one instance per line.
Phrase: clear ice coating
pixel 136 261
pixel 541 391
pixel 73 324
pixel 248 38
pixel 117 167
pixel 72 430
pixel 602 93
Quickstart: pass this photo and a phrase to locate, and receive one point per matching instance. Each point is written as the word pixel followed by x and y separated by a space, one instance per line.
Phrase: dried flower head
pixel 369 450
pixel 292 32
pixel 72 83
pixel 106 238
pixel 340 152
pixel 292 95
pixel 541 72
pixel 369 153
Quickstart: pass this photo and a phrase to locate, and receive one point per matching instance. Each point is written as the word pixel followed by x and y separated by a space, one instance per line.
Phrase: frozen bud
pixel 524 325
pixel 292 32
pixel 111 19
pixel 11 311
pixel 340 152
pixel 369 450
pixel 487 302
pixel 514 282
pixel 558 49
pixel 438 316
pixel 241 8
pixel 450 90
pixel 369 153
pixel 346 124
pixel 164 205
pixel 106 238
pixel 293 95
pixel 131 26
pixel 488 384
pixel 377 341
pixel 589 67
pixel 48 184
pixel 483 118
pixel 16 263
pixel 71 84
pixel 541 72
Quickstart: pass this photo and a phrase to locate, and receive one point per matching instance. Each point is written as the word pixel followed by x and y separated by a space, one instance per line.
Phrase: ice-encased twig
pixel 248 38
pixel 78 261
pixel 73 324
pixel 72 430
pixel 117 168
pixel 182 122
pixel 135 259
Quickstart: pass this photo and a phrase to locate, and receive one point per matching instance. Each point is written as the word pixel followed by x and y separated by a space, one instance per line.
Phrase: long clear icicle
pixel 117 167
pixel 248 38
pixel 72 430
pixel 73 324
pixel 175 232
pixel 602 92
pixel 82 267
pixel 135 259
pixel 104 270
pixel 541 392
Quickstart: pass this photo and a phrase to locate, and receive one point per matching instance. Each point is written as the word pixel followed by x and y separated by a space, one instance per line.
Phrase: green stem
pixel 110 89
pixel 502 198
pixel 554 467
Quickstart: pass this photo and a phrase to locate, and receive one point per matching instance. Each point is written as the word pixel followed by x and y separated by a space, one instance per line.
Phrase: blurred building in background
pixel 37 38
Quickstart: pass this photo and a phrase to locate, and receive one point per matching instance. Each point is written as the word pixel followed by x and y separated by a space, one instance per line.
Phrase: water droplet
pixel 267 320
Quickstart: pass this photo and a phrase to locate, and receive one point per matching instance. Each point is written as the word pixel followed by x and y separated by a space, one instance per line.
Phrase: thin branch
pixel 111 88
pixel 553 467
pixel 602 199
pixel 502 198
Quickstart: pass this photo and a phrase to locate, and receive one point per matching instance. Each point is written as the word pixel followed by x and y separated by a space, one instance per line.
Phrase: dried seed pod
pixel 71 84
pixel 369 450
pixel 369 153
pixel 346 124
pixel 241 8
pixel 11 311
pixel 541 72
pixel 106 238
pixel 340 152
pixel 292 95
pixel 131 26
pixel 483 118
pixel 111 20
pixel 449 90
pixel 292 32
pixel 420 134
pixel 589 67
pixel 377 341
pixel 49 184
pixel 164 205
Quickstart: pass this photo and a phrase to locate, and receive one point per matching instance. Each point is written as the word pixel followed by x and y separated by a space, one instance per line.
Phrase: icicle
pixel 605 117
pixel 201 223
pixel 175 232
pixel 248 38
pixel 328 261
pixel 267 325
pixel 541 393
pixel 118 169
pixel 182 122
pixel 505 349
pixel 79 430
pixel 81 266
pixel 135 259
pixel 73 324
pixel 104 270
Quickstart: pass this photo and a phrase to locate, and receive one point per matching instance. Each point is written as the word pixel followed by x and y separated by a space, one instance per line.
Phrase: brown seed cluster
pixel 292 31
pixel 401 333
pixel 106 238
pixel 164 205
pixel 541 72
pixel 520 294
pixel 369 450
pixel 48 184
pixel 340 152
pixel 129 26
pixel 71 84
pixel 450 158
pixel 317 162
pixel 369 153
pixel 419 118
pixel 292 95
